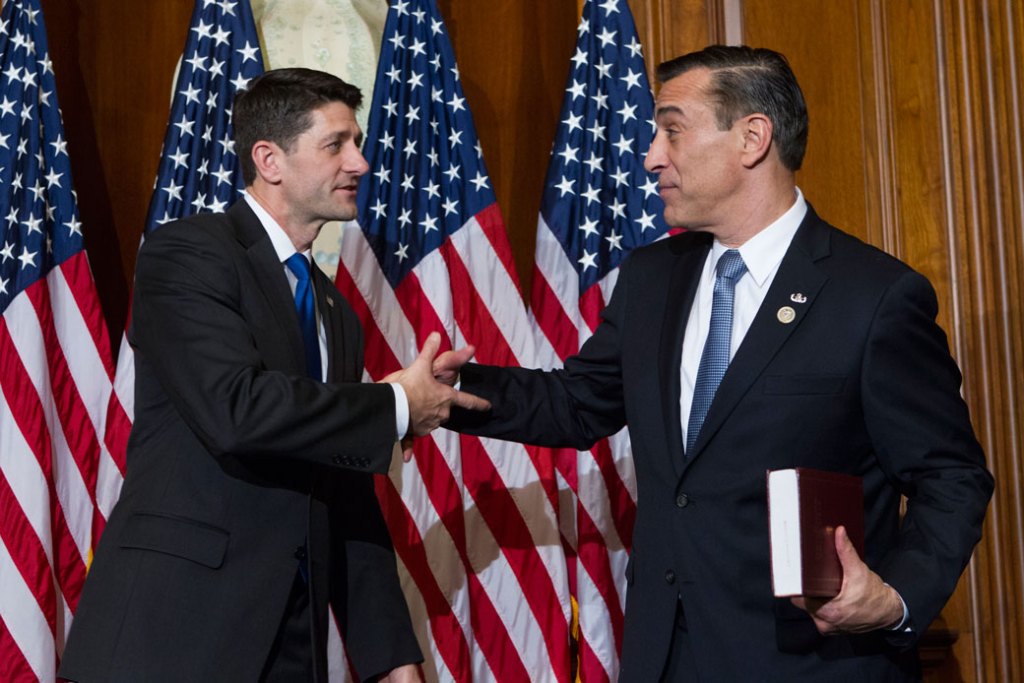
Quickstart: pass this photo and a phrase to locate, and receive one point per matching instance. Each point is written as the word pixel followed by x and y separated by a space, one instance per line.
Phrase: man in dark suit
pixel 762 338
pixel 248 505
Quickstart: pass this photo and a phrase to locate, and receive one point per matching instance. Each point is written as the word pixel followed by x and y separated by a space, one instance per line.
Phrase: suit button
pixel 682 500
pixel 670 577
pixel 336 460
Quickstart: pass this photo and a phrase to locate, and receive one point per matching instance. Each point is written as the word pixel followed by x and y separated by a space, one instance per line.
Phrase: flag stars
pixel 456 138
pixel 398 40
pixel 228 144
pixel 223 176
pixel 632 80
pixel 203 30
pixel 606 37
pixel 407 181
pixel 634 47
pixel 185 126
pixel 391 108
pixel 228 7
pixel 588 260
pixel 573 122
pixel 380 209
pixel 417 47
pixel 415 81
pixel 429 224
pixel 569 154
pixel 600 100
pixel 248 52
pixel 628 112
pixel 618 208
pixel 74 227
pixel 432 190
pixel 650 187
pixel 646 221
pixel 394 74
pixel 610 6
pixel 410 148
pixel 173 191
pixel 412 115
pixel 453 173
pixel 565 187
pixel 7 253
pixel 403 252
pixel 26 113
pixel 191 94
pixel 591 195
pixel 53 179
pixel 211 101
pixel 597 130
pixel 480 181
pixel 405 218
pixel 388 140
pixel 579 59
pixel 456 103
pixel 27 258
pixel 624 145
pixel 240 82
pixel 33 224
pixel 589 227
pixel 196 62
pixel 383 175
pixel 179 158
pixel 614 240
pixel 199 202
pixel 620 177
pixel 450 206
pixel 594 162
pixel 7 107
pixel 603 69
pixel 577 89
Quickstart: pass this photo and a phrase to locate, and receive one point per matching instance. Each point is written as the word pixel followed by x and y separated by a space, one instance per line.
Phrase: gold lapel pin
pixel 330 302
pixel 798 298
pixel 786 315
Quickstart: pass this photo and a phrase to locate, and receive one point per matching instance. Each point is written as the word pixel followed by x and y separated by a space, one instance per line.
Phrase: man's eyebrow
pixel 669 109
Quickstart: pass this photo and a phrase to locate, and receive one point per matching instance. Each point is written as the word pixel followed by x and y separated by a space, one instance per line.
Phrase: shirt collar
pixel 763 252
pixel 278 237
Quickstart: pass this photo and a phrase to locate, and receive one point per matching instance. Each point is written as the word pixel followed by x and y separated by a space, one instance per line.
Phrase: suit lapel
pixel 790 298
pixel 682 289
pixel 270 279
pixel 330 305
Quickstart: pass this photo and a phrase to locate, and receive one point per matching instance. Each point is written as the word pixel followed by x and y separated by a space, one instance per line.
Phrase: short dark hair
pixel 277 107
pixel 747 80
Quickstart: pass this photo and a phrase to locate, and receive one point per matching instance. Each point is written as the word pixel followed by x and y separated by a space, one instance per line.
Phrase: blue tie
pixel 715 358
pixel 298 264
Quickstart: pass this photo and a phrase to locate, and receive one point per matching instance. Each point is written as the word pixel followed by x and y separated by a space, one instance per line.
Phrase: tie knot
pixel 299 266
pixel 731 265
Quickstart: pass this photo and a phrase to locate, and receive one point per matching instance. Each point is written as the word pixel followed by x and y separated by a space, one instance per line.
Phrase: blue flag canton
pixel 199 169
pixel 598 200
pixel 40 227
pixel 427 176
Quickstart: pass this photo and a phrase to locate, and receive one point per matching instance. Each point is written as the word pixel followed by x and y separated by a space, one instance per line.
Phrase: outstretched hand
pixel 448 364
pixel 430 400
pixel 864 602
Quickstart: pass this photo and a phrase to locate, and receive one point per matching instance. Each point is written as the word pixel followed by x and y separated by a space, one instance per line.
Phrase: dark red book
pixel 804 508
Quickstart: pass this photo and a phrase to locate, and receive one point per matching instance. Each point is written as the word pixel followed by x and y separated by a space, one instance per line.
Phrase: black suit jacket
pixel 861 381
pixel 236 460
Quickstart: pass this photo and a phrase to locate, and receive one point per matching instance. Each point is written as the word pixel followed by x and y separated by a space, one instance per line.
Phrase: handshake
pixel 429 387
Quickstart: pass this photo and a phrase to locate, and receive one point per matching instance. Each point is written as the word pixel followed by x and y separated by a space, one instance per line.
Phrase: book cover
pixel 804 508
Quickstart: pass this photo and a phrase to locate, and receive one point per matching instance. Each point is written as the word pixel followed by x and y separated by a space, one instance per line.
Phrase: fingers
pixel 852 565
pixel 469 401
pixel 453 360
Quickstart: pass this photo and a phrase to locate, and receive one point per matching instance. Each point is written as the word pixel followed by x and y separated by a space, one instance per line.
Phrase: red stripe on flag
pixel 445 627
pixel 552 318
pixel 13 665
pixel 591 305
pixel 79 278
pixel 29 415
pixel 118 428
pixel 379 360
pixel 623 507
pixel 593 553
pixel 493 228
pixel 591 669
pixel 501 514
pixel 28 553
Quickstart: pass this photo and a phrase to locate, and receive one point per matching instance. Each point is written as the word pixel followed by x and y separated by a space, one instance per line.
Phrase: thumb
pixel 429 350
pixel 848 557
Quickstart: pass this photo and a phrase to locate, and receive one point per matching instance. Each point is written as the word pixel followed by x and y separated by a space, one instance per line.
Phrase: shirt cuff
pixel 902 625
pixel 401 411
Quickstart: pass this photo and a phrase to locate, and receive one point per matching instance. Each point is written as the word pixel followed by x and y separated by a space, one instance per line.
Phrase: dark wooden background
pixel 915 145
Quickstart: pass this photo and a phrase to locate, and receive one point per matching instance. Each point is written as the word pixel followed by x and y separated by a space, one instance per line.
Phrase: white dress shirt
pixel 762 255
pixel 285 249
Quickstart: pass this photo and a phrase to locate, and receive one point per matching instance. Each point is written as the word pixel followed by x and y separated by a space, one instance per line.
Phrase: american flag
pixel 199 168
pixel 474 521
pixel 58 478
pixel 598 204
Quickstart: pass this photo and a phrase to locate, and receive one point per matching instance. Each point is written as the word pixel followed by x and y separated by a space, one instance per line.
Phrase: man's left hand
pixel 865 602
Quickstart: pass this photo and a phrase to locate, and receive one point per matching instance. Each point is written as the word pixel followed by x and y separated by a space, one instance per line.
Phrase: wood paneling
pixel 916 146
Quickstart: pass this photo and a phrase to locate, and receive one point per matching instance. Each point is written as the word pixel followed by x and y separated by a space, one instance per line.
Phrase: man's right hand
pixel 430 401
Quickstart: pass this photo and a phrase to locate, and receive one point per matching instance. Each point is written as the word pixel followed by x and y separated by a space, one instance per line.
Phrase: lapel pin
pixel 798 298
pixel 330 302
pixel 786 315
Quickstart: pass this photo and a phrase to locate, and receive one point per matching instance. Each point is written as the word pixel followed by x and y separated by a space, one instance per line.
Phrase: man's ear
pixel 757 138
pixel 267 157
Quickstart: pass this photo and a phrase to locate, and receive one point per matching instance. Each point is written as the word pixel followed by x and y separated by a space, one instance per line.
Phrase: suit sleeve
pixel 196 324
pixel 572 407
pixel 922 434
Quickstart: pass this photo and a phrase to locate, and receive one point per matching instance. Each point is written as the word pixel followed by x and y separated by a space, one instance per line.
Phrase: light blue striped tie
pixel 306 308
pixel 715 358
